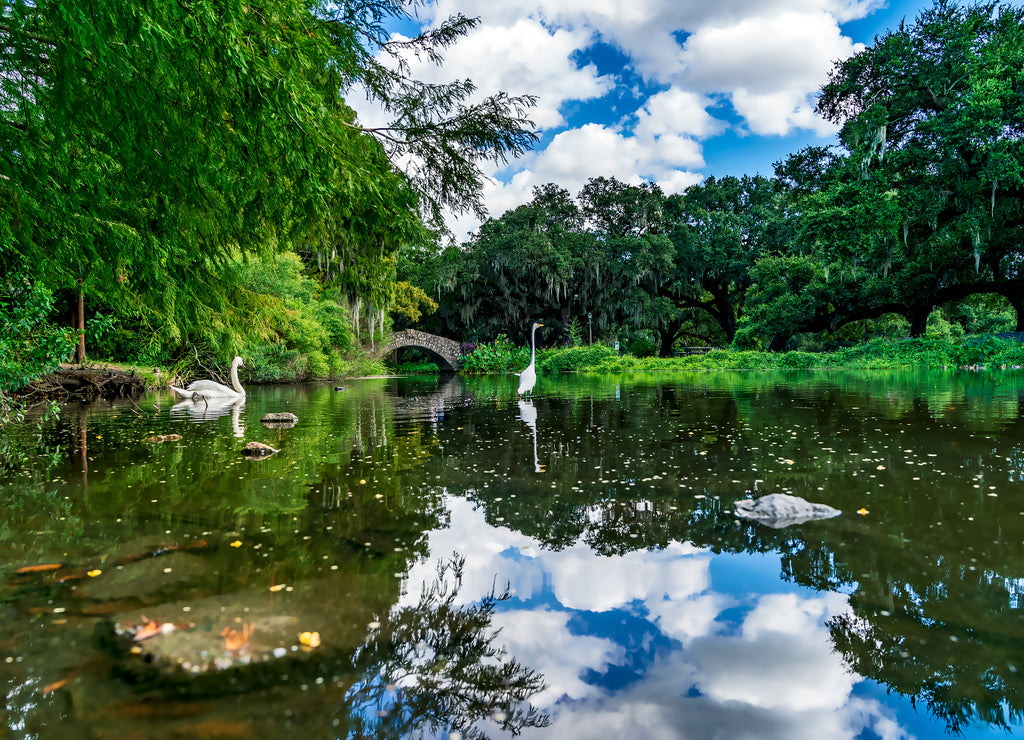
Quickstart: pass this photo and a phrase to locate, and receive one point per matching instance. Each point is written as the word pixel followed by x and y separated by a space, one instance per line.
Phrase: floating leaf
pixel 862 512
pixel 39 568
pixel 51 687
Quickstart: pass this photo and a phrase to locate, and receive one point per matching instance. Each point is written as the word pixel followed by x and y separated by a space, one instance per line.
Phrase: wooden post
pixel 80 350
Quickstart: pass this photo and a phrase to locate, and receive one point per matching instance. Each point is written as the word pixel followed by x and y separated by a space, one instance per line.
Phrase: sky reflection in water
pixel 665 643
pixel 604 504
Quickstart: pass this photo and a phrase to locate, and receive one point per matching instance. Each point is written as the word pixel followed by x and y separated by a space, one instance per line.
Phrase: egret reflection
pixel 528 413
pixel 207 409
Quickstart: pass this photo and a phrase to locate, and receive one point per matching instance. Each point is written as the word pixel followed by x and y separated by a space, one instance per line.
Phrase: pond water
pixel 433 558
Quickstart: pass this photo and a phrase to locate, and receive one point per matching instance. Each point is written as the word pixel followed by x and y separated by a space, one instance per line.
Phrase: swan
pixel 528 378
pixel 211 389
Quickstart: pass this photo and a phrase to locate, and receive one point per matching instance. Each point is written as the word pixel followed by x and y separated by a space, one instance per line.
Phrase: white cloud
pixel 676 111
pixel 770 67
pixel 592 150
pixel 522 57
pixel 778 113
pixel 543 641
pixel 765 54
pixel 582 581
pixel 767 58
pixel 783 658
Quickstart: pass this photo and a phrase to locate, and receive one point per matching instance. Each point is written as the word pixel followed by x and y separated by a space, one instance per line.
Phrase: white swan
pixel 528 378
pixel 211 389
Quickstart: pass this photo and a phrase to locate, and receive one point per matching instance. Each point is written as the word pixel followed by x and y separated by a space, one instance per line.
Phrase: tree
pixel 530 263
pixel 628 225
pixel 141 145
pixel 933 119
pixel 719 229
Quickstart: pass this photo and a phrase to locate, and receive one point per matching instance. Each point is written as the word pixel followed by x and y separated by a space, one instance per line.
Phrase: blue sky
pixel 668 91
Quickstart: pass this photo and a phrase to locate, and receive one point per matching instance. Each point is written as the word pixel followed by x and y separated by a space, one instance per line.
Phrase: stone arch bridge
pixel 445 351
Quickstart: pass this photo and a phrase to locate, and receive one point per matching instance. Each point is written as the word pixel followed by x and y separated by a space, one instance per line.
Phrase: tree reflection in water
pixel 435 668
pixel 956 667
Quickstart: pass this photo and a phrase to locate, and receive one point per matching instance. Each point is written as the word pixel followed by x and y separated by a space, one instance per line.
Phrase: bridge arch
pixel 445 351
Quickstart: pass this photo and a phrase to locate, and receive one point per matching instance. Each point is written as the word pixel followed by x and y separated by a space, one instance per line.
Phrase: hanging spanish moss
pixel 976 239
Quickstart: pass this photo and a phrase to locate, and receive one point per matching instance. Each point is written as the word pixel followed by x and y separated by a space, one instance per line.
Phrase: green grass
pixel 875 354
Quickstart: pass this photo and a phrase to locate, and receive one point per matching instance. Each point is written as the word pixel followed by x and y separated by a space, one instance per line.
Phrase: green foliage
pixel 143 145
pixel 575 359
pixel 988 351
pixel 418 368
pixel 574 332
pixel 24 444
pixel 638 343
pixel 30 345
pixel 980 314
pixel 887 353
pixel 301 334
pixel 939 328
pixel 798 359
pixel 410 305
pixel 500 356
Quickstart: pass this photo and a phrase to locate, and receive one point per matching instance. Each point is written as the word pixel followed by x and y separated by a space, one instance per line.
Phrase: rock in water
pixel 258 449
pixel 778 510
pixel 282 420
pixel 163 438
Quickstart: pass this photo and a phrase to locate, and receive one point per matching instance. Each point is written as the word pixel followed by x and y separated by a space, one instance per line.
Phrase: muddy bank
pixel 88 382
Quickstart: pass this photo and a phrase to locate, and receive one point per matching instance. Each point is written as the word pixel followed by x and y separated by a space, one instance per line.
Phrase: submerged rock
pixel 778 510
pixel 282 420
pixel 258 449
pixel 255 638
pixel 163 438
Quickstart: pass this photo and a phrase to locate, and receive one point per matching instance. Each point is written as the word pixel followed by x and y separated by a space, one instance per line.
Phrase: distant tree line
pixel 920 206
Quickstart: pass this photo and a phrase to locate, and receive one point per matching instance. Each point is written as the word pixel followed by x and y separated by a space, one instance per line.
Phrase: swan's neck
pixel 234 380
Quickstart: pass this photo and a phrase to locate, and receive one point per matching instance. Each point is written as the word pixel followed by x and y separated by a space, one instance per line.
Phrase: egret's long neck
pixel 533 345
pixel 234 379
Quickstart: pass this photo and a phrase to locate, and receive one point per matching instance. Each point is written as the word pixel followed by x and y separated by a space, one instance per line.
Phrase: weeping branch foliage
pixel 143 145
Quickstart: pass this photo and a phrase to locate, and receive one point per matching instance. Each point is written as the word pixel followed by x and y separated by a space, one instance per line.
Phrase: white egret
pixel 528 378
pixel 211 389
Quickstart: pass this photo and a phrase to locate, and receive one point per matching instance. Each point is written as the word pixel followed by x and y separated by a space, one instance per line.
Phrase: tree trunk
pixel 778 343
pixel 667 337
pixel 1018 306
pixel 80 320
pixel 918 323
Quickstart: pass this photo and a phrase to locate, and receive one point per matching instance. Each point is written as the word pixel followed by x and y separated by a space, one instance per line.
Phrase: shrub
pixel 500 356
pixel 29 345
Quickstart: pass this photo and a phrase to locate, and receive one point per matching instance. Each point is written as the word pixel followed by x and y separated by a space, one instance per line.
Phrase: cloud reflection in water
pixel 658 644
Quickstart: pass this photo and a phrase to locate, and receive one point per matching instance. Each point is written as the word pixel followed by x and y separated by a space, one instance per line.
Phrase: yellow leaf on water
pixel 236 543
pixel 862 512
pixel 278 587
pixel 310 639
pixel 94 573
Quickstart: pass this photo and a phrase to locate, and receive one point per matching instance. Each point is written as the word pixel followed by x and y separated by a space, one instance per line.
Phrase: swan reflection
pixel 528 413
pixel 207 409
